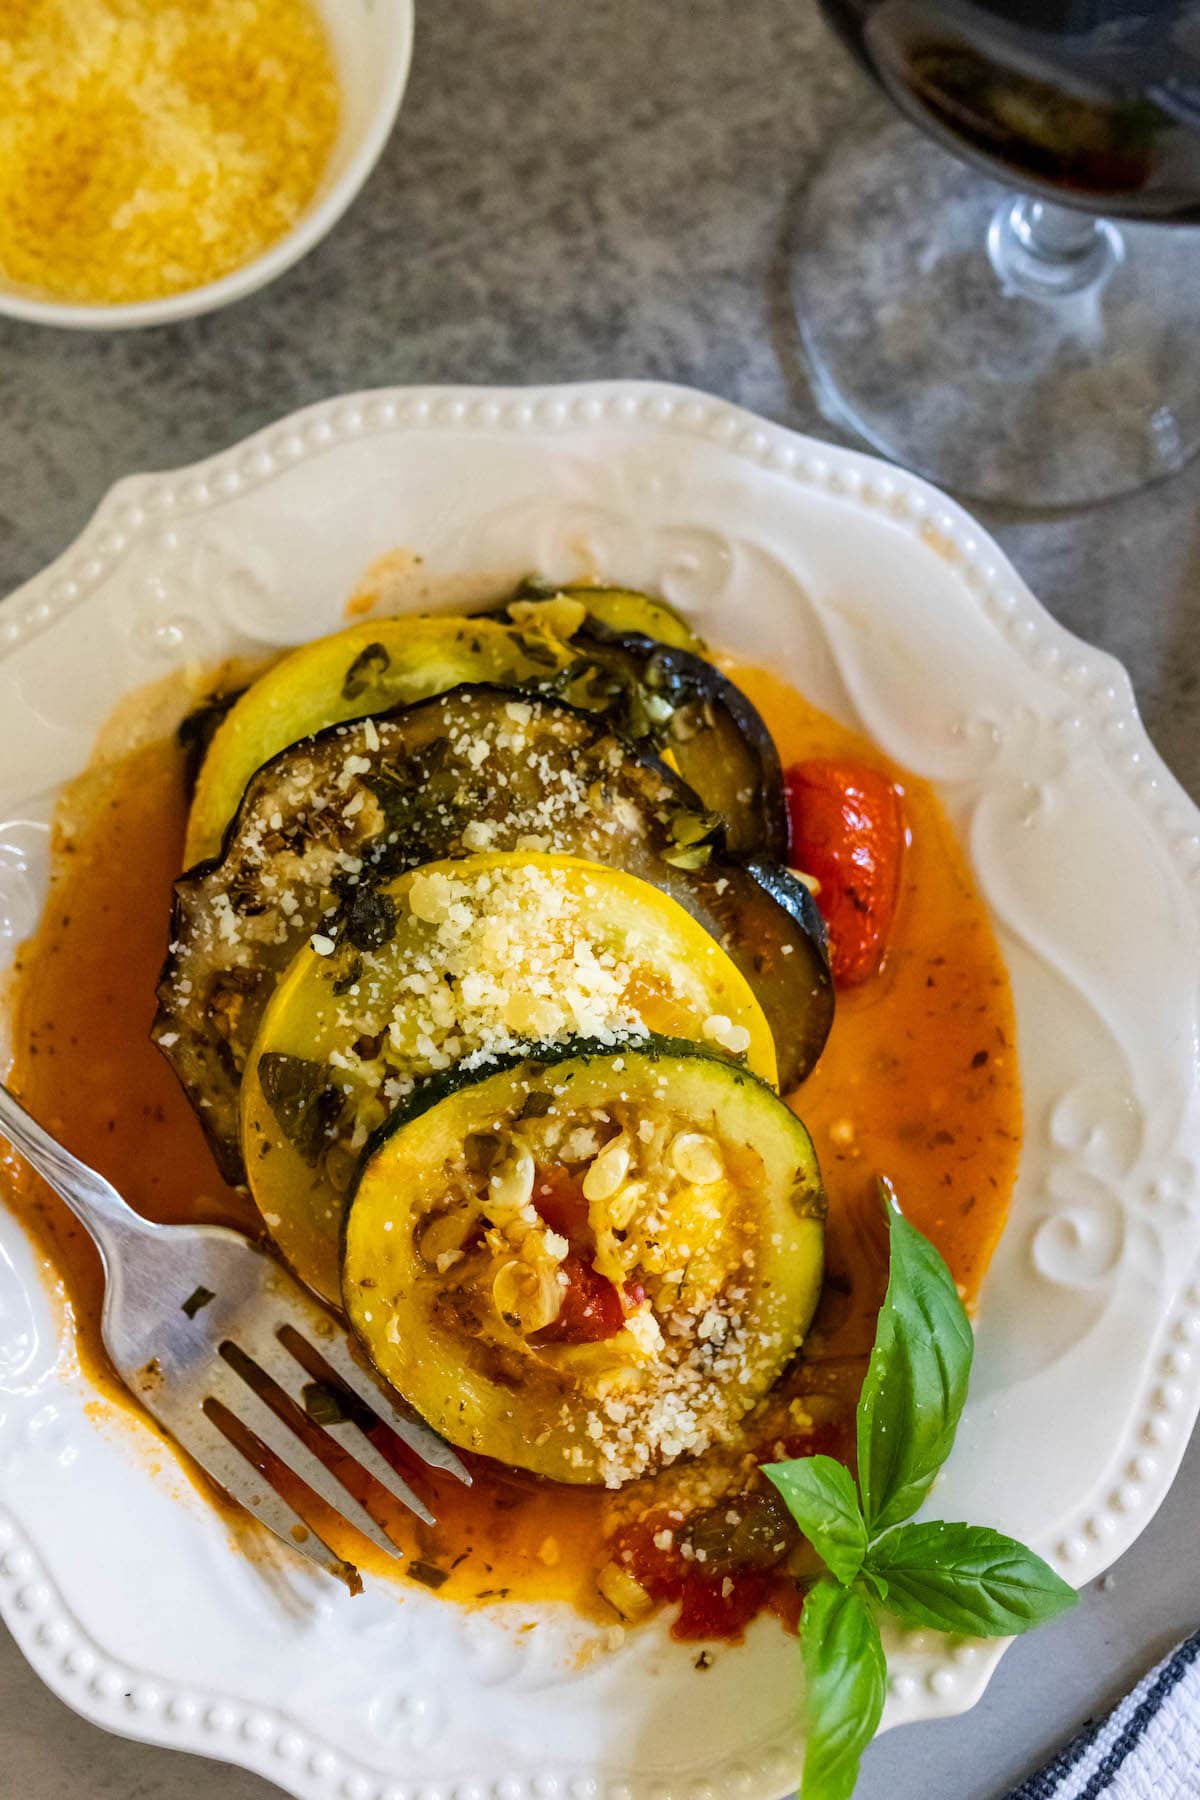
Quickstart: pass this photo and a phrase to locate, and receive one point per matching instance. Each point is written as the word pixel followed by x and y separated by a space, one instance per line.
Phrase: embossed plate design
pixel 889 607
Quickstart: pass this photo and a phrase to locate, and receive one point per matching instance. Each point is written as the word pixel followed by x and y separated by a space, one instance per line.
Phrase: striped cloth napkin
pixel 1148 1748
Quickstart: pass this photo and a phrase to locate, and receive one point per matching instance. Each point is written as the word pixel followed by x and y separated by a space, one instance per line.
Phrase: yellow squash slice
pixel 366 669
pixel 482 954
pixel 580 646
pixel 587 1263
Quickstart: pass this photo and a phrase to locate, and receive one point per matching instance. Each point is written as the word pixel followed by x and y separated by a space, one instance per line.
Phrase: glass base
pixel 938 326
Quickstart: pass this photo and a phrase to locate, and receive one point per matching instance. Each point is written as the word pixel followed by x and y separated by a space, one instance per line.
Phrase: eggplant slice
pixel 712 734
pixel 368 668
pixel 660 695
pixel 638 662
pixel 329 820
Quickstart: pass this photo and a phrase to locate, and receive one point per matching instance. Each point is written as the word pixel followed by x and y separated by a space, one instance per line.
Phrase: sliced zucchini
pixel 613 612
pixel 586 1263
pixel 662 697
pixel 486 953
pixel 328 820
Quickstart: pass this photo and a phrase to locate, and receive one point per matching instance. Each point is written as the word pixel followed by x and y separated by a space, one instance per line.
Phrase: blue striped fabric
pixel 1148 1748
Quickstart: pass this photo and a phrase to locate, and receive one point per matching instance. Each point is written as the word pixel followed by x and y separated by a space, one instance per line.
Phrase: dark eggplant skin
pixel 196 732
pixel 294 864
pixel 670 697
pixel 718 741
pixel 809 984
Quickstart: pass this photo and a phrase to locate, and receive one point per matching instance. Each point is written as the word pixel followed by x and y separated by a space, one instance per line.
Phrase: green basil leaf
pixel 873 1583
pixel 967 1579
pixel 819 1493
pixel 846 1683
pixel 916 1382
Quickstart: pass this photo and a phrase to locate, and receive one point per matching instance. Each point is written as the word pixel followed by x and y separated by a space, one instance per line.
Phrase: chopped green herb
pixel 306 1106
pixel 323 1404
pixel 198 1298
pixel 368 918
pixel 365 671
pixel 428 1574
pixel 346 970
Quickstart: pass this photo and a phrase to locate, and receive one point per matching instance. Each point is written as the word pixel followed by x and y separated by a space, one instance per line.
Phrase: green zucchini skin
pixel 214 988
pixel 616 612
pixel 301 1110
pixel 515 1404
pixel 436 1088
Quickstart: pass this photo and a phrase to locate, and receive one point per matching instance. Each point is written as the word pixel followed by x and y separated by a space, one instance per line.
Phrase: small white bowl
pixel 372 46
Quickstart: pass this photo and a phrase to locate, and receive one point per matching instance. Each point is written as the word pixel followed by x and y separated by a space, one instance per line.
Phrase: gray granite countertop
pixel 576 192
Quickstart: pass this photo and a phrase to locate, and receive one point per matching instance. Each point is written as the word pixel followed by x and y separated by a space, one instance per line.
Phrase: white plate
pixel 888 606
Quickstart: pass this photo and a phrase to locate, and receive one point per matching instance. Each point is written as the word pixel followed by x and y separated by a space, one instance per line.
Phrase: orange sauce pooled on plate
pixel 918 1081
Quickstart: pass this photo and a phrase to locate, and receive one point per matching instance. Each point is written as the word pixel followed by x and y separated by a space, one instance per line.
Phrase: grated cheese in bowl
pixel 149 147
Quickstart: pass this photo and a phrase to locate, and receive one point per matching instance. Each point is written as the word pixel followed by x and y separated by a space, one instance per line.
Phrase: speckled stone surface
pixel 577 192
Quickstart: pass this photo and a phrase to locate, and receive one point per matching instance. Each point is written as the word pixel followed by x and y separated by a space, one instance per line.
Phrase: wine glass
pixel 1040 347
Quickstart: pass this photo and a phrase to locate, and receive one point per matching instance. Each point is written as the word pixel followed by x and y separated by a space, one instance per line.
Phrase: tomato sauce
pixel 918 1082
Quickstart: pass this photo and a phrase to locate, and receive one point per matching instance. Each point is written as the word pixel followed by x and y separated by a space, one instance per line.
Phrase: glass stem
pixel 1046 252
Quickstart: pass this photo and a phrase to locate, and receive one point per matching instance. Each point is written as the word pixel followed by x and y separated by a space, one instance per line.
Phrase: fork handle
pixel 94 1201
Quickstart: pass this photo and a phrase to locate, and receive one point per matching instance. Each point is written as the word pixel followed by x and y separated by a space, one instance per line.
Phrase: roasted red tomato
pixel 848 831
pixel 721 1565
pixel 560 1203
pixel 591 1308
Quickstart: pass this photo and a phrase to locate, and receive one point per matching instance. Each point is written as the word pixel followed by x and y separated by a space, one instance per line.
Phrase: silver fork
pixel 227 1351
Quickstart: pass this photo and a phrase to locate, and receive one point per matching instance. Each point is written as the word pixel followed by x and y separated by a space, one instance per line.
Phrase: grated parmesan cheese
pixel 508 957
pixel 150 146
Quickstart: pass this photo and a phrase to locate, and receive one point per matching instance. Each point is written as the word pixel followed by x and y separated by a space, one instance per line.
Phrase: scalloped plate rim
pixel 841 472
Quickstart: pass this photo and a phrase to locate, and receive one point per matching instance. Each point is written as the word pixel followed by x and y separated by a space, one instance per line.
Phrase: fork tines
pixel 274 1403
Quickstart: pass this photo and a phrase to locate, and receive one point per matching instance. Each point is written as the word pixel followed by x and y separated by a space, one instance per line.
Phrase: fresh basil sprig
pixel 821 1497
pixel 966 1579
pixel 846 1679
pixel 916 1383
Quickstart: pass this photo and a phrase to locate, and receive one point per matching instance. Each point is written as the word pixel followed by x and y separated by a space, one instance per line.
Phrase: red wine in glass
pixel 1094 102
pixel 1041 347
